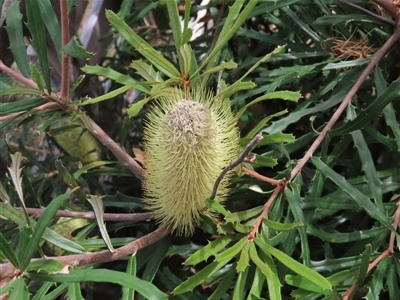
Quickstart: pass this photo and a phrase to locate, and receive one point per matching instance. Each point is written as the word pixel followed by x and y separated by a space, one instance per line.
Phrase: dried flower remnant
pixel 187 143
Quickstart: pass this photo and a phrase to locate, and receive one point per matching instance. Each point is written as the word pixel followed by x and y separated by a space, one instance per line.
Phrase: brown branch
pixel 17 76
pixel 64 93
pixel 42 107
pixel 260 177
pixel 109 143
pixel 383 19
pixel 138 217
pixel 396 223
pixel 346 101
pixel 372 265
pixel 392 7
pixel 8 270
pixel 235 163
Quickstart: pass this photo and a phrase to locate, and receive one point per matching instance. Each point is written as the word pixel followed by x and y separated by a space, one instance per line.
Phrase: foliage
pixel 327 232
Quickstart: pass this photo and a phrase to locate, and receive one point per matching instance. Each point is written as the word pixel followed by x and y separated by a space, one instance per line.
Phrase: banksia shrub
pixel 188 140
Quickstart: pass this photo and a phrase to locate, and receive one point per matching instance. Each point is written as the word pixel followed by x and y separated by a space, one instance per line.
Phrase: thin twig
pixel 20 78
pixel 235 163
pixel 64 93
pixel 346 101
pixel 396 223
pixel 46 106
pixel 138 217
pixel 8 269
pixel 383 19
pixel 260 177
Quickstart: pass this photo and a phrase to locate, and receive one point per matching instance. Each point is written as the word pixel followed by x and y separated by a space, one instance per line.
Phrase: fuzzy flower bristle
pixel 187 144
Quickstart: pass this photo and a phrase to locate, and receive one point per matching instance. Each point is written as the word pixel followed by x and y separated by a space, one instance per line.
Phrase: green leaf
pixel 366 257
pixel 244 258
pixel 175 23
pixel 41 292
pixel 148 290
pixel 231 252
pixel 199 277
pixel 36 76
pixel 302 283
pixel 47 266
pixel 295 266
pixel 74 291
pixel 116 76
pixel 51 23
pixel 368 165
pixel 372 111
pixel 268 139
pixel 129 293
pixel 212 248
pixel 74 49
pixel 109 95
pixel 260 125
pixel 216 206
pixel 274 285
pixel 362 200
pixel 146 71
pixel 224 285
pixel 44 220
pixel 187 54
pixel 281 226
pixel 142 46
pixel 19 290
pixel 8 252
pixel 238 291
pixel 36 27
pixel 98 208
pixel 17 217
pixel 20 106
pixel 16 37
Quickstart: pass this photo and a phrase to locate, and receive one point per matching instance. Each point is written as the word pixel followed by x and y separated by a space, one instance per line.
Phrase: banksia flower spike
pixel 187 144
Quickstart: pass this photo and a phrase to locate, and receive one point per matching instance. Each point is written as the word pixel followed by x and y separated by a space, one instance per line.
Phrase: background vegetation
pixel 313 215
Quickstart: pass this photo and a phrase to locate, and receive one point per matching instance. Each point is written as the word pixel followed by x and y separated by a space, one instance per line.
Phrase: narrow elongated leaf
pixel 232 251
pixel 142 46
pixel 362 200
pixel 146 71
pixel 98 208
pixel 19 290
pixel 244 258
pixel 74 291
pixel 212 248
pixel 8 252
pixel 274 285
pixel 224 285
pixel 366 257
pixel 16 37
pixel 175 23
pixel 40 293
pixel 109 95
pixel 238 291
pixel 17 217
pixel 36 27
pixel 44 220
pixel 129 293
pixel 372 111
pixel 199 277
pixel 51 23
pixel 147 289
pixel 295 266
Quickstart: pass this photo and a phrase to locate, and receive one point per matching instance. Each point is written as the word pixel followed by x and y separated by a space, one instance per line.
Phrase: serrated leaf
pixel 36 27
pixel 147 289
pixel 16 37
pixel 281 226
pixel 362 200
pixel 365 259
pixel 268 139
pixel 41 225
pixel 371 112
pixel 244 258
pixel 225 284
pixel 260 125
pixel 295 266
pixel 109 95
pixel 98 208
pixel 47 266
pixel 232 251
pixel 212 248
pixel 15 172
pixel 216 206
pixel 19 290
pixel 75 49
pixel 274 285
pixel 7 251
pixel 146 71
pixel 186 53
pixel 199 277
pixel 142 46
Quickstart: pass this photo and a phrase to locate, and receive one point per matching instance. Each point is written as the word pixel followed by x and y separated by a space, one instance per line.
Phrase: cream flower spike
pixel 187 143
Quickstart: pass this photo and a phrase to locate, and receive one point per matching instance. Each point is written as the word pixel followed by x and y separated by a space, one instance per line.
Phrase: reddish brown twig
pixel 261 177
